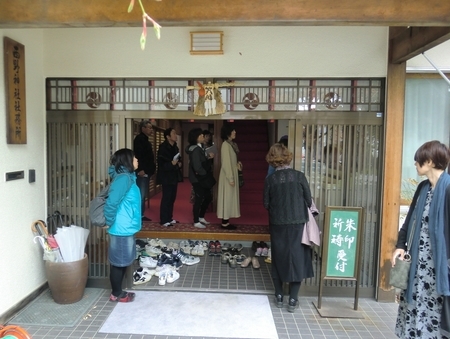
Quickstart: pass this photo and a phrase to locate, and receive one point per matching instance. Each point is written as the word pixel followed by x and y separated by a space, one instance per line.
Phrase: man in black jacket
pixel 143 151
pixel 168 175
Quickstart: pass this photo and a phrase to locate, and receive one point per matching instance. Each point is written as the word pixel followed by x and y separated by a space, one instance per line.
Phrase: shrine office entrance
pixel 334 127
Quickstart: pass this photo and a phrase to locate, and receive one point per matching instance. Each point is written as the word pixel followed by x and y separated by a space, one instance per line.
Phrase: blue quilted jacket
pixel 123 205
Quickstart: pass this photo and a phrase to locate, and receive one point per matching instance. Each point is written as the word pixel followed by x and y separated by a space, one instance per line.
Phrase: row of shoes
pixel 260 248
pixel 239 260
pixel 165 274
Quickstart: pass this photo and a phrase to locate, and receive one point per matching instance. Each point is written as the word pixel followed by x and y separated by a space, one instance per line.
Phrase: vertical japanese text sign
pixel 14 55
pixel 342 233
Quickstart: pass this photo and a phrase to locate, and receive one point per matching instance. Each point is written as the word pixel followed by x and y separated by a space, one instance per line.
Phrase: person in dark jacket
pixel 123 219
pixel 287 196
pixel 144 153
pixel 421 305
pixel 200 176
pixel 168 175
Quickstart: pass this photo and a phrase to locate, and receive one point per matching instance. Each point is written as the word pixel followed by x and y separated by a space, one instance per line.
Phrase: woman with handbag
pixel 200 176
pixel 228 205
pixel 287 197
pixel 420 305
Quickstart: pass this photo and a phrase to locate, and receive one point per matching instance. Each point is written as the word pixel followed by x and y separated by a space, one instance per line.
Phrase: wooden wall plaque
pixel 16 113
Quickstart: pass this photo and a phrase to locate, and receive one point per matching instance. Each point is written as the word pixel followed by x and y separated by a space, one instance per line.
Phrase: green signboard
pixel 342 232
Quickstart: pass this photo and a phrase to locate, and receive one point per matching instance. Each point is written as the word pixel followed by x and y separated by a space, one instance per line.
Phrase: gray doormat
pixel 44 311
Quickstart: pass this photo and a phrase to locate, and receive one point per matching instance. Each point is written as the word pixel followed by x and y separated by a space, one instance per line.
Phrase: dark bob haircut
pixel 193 135
pixel 435 151
pixel 226 131
pixel 167 132
pixel 122 160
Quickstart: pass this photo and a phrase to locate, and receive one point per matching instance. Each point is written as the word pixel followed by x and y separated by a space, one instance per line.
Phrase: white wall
pixel 439 55
pixel 248 52
pixel 115 52
pixel 21 203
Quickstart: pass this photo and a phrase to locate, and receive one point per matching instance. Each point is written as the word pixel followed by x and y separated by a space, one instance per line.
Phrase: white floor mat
pixel 220 315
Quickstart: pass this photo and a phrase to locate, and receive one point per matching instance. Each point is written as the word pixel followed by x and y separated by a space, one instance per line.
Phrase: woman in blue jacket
pixel 123 220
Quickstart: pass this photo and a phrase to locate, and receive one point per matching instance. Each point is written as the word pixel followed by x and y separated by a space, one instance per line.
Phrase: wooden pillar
pixel 392 171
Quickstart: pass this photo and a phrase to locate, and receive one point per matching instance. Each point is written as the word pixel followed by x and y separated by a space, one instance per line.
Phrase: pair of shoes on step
pixel 168 276
pixel 293 304
pixel 124 297
pixel 214 248
pixel 261 249
pixel 253 260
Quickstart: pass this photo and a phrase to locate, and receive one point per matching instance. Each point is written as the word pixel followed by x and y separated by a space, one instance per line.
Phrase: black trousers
pixel 169 194
pixel 202 199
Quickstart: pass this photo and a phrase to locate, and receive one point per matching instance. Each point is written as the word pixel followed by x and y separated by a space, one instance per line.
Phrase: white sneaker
pixel 174 221
pixel 189 260
pixel 199 225
pixel 152 250
pixel 198 250
pixel 173 245
pixel 157 243
pixel 162 278
pixel 147 262
pixel 142 276
pixel 172 276
pixel 203 221
pixel 167 224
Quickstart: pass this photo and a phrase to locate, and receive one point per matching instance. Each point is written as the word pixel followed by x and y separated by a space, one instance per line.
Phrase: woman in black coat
pixel 287 197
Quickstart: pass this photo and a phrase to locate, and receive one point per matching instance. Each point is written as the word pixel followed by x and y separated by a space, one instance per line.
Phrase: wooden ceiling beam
pixel 107 13
pixel 414 41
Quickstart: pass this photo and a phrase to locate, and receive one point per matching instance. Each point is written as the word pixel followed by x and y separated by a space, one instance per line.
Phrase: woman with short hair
pixel 287 197
pixel 200 176
pixel 420 305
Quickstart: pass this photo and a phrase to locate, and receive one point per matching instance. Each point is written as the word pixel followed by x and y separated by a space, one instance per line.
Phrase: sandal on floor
pixel 246 262
pixel 225 257
pixel 232 261
pixel 255 263
pixel 226 247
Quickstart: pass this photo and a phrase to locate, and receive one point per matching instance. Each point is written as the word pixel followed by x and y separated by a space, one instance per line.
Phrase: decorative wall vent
pixel 250 100
pixel 171 100
pixel 332 100
pixel 93 99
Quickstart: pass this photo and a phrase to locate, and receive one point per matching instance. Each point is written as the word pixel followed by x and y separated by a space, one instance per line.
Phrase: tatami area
pixel 210 275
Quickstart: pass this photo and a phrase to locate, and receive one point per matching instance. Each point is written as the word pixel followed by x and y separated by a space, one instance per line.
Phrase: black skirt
pixel 291 260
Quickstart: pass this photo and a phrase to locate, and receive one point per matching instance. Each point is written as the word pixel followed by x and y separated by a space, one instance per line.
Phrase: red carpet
pixel 252 140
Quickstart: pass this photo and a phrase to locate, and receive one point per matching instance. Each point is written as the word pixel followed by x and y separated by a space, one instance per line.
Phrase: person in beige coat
pixel 228 190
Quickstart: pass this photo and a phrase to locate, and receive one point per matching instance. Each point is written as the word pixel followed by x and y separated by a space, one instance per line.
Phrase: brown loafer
pixel 255 262
pixel 246 262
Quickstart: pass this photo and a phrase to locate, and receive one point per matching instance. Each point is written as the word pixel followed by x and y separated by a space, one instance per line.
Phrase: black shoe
pixel 293 305
pixel 146 219
pixel 279 300
pixel 228 227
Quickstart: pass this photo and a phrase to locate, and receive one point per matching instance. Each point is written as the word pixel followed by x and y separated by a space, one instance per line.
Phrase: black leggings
pixel 294 288
pixel 202 199
pixel 116 275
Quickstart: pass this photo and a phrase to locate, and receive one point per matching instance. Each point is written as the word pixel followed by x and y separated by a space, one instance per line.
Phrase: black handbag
pixel 240 178
pixel 400 272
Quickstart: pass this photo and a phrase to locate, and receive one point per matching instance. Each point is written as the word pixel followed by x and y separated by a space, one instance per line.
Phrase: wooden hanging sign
pixel 16 113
